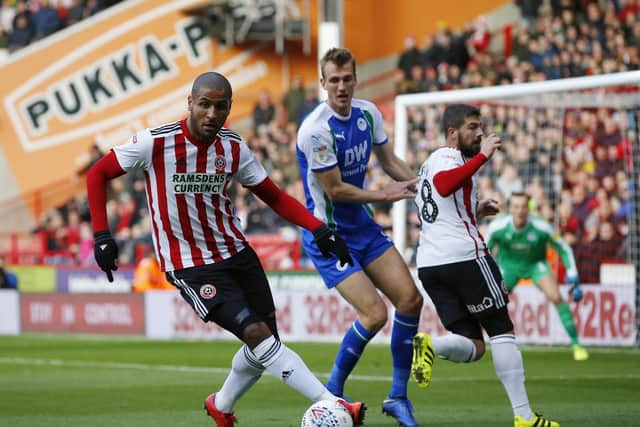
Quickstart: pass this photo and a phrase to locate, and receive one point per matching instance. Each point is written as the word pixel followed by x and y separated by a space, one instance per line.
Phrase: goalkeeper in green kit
pixel 521 241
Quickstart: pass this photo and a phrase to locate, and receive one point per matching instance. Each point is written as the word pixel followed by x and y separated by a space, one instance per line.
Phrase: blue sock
pixel 353 343
pixel 404 328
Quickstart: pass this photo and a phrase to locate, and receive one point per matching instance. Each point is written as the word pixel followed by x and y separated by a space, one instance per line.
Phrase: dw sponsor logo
pixel 356 153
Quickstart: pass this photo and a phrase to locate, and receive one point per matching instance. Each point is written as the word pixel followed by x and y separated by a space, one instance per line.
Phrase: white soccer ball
pixel 327 413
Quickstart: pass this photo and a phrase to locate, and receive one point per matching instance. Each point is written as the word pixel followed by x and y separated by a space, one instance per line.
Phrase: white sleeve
pixel 317 145
pixel 443 159
pixel 137 152
pixel 379 137
pixel 250 171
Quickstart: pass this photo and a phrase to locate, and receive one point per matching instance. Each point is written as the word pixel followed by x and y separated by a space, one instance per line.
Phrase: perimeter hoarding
pixel 35 278
pixel 9 312
pixel 605 317
pixel 83 313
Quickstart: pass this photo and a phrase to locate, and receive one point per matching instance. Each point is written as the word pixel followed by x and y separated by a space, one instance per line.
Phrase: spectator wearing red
pixel 481 37
pixel 590 255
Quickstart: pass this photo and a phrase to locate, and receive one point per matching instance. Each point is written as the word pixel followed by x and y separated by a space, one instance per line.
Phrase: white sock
pixel 285 364
pixel 454 347
pixel 245 371
pixel 507 362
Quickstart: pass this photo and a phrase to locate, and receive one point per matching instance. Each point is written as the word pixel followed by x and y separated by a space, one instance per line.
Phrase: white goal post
pixel 535 89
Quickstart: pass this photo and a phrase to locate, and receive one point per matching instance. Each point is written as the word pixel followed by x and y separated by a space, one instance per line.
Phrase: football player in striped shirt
pixel 456 268
pixel 198 238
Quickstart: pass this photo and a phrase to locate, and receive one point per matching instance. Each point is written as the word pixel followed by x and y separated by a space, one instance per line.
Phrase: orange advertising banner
pixel 127 68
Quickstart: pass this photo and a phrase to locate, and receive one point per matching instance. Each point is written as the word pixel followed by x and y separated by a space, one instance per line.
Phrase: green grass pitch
pixel 56 381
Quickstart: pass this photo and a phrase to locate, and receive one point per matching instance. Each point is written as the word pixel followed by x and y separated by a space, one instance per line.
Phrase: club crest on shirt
pixel 321 153
pixel 220 162
pixel 207 291
pixel 362 123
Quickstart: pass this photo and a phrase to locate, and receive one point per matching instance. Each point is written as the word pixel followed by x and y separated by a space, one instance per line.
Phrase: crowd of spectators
pixel 565 38
pixel 25 21
pixel 573 162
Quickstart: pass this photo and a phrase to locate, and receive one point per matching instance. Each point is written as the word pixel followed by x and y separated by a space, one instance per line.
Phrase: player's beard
pixel 469 150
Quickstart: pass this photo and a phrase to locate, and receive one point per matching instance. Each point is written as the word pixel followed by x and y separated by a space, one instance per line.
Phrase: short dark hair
pixel 455 114
pixel 211 80
pixel 339 56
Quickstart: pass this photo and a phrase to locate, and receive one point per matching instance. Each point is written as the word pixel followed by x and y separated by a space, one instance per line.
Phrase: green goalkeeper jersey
pixel 525 247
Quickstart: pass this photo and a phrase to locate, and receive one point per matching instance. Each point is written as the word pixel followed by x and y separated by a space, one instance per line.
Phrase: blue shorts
pixel 365 247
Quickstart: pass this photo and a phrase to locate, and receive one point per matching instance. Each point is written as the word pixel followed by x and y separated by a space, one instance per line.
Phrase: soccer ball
pixel 327 413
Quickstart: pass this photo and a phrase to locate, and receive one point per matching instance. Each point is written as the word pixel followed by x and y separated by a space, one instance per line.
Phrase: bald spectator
pixel 264 110
pixel 409 57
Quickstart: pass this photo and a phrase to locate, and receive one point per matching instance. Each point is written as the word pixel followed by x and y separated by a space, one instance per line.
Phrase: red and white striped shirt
pixel 448 224
pixel 194 222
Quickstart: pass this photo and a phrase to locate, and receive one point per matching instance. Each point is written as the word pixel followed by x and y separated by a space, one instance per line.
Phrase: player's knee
pixel 254 333
pixel 410 305
pixel 374 318
pixel 497 323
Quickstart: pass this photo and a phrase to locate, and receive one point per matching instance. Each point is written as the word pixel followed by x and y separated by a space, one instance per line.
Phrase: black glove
pixel 329 242
pixel 105 251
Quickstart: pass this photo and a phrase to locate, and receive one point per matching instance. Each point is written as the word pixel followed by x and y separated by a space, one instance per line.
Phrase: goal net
pixel 571 144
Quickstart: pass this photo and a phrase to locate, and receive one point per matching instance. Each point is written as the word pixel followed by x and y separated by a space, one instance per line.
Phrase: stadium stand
pixel 23 22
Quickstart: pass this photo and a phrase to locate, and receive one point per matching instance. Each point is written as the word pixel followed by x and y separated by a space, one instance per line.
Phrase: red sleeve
pixel 447 182
pixel 285 205
pixel 107 168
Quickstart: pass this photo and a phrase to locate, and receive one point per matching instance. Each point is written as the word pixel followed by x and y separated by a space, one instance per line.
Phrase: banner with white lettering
pixel 83 313
pixel 89 280
pixel 605 317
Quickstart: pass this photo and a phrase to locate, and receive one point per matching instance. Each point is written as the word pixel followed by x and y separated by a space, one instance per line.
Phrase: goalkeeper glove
pixel 329 242
pixel 105 252
pixel 575 290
